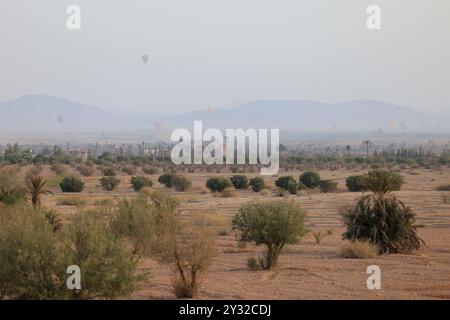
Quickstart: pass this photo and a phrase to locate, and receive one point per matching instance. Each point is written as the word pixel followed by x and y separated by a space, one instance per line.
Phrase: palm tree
pixel 381 218
pixel 367 144
pixel 36 188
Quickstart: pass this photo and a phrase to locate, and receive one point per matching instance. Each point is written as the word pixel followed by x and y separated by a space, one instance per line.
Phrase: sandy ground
pixel 307 270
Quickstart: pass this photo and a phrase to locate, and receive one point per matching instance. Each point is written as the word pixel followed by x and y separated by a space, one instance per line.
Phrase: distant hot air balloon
pixel 158 125
pixel 60 118
pixel 393 124
pixel 145 58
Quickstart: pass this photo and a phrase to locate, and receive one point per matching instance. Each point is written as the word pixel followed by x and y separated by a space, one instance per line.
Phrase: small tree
pixel 272 224
pixel 71 184
pixel 218 184
pixel 239 182
pixel 310 179
pixel 109 183
pixel 140 182
pixel 257 184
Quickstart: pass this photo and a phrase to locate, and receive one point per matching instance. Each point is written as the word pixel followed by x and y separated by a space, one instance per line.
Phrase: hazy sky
pixel 220 53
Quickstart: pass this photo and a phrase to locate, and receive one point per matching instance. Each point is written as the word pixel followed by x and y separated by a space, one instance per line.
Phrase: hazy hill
pixel 40 113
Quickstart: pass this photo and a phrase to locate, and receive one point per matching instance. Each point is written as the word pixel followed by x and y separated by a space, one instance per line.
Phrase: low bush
pixel 109 183
pixel 239 182
pixel 140 182
pixel 355 183
pixel 181 183
pixel 218 184
pixel 287 183
pixel 166 179
pixel 257 184
pixel 310 179
pixel 328 186
pixel 71 184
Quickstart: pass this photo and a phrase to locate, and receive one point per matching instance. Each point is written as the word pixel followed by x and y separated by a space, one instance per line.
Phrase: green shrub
pixel 135 220
pixel 109 183
pixel 257 184
pixel 310 179
pixel 140 182
pixel 287 183
pixel 239 182
pixel 33 264
pixel 10 197
pixel 181 183
pixel 292 187
pixel 328 186
pixel 107 266
pixel 355 183
pixel 34 256
pixel 71 184
pixel 166 179
pixel 218 184
pixel 273 224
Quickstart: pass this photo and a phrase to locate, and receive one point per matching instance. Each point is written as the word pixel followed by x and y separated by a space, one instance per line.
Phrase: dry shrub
pixel 146 191
pixel 154 227
pixel 193 250
pixel 358 250
pixel 228 193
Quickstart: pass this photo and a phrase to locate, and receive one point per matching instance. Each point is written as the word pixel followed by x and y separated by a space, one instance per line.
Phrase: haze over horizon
pixel 205 54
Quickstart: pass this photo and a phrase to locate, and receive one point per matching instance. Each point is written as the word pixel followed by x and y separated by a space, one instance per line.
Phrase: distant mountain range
pixel 42 113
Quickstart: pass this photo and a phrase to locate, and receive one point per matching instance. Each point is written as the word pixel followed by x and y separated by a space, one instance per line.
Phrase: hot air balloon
pixel 145 58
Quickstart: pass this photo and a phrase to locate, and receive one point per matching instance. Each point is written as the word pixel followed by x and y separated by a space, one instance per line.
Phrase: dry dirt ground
pixel 307 270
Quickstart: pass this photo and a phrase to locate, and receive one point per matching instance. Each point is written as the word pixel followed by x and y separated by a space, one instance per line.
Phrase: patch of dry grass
pixel 358 250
